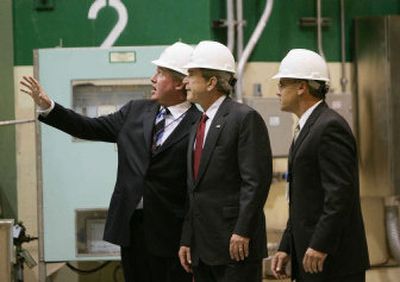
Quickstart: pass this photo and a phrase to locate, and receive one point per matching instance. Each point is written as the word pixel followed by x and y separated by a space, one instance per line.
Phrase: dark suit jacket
pixel 324 209
pixel 159 178
pixel 232 186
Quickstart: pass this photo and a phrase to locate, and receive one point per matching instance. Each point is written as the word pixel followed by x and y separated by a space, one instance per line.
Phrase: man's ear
pixel 211 83
pixel 180 85
pixel 302 88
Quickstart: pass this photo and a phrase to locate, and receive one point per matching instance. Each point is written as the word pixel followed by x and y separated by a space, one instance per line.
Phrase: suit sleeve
pixel 284 245
pixel 104 128
pixel 255 165
pixel 338 171
pixel 187 229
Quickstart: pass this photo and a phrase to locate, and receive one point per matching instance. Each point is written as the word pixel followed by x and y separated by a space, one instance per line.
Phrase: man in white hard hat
pixel 148 204
pixel 325 237
pixel 229 174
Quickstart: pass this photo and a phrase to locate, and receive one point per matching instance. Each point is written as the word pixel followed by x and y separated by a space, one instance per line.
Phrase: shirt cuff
pixel 45 112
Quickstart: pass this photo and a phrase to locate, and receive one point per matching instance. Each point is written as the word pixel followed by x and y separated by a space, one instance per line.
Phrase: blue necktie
pixel 158 130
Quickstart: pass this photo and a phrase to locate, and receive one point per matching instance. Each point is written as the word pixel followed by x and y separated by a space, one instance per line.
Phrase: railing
pixel 12 122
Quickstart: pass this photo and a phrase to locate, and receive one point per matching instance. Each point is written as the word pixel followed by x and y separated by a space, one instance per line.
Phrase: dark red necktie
pixel 199 145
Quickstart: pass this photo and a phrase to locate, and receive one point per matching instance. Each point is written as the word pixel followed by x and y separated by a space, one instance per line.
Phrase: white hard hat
pixel 303 64
pixel 212 55
pixel 175 57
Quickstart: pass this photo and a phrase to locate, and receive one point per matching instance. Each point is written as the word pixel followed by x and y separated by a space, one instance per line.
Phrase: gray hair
pixel 318 88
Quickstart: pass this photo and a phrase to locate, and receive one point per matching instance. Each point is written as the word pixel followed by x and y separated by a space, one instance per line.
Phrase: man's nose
pixel 153 78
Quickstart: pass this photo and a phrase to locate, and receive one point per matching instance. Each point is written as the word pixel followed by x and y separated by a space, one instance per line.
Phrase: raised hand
pixel 32 87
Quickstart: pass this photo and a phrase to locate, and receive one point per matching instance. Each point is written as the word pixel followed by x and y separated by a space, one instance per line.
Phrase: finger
pixel 314 264
pixel 26 80
pixel 276 265
pixel 29 80
pixel 241 253
pixel 321 265
pixel 33 81
pixel 188 256
pixel 25 84
pixel 306 263
pixel 183 260
pixel 231 251
pixel 236 255
pixel 186 266
pixel 27 92
pixel 246 250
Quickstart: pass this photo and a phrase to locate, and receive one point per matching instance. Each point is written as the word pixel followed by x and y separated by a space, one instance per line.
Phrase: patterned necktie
pixel 296 133
pixel 199 145
pixel 159 126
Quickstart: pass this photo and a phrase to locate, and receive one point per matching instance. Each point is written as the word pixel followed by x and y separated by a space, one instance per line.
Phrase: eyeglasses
pixel 287 82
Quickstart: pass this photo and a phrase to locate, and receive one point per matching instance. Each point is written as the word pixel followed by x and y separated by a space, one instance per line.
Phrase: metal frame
pixel 14 122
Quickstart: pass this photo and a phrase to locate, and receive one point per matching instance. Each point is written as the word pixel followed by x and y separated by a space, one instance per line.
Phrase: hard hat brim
pixel 198 66
pixel 162 64
pixel 279 76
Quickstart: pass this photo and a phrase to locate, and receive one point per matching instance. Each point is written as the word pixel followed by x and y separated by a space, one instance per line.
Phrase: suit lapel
pixel 181 130
pixel 306 129
pixel 148 121
pixel 192 137
pixel 212 136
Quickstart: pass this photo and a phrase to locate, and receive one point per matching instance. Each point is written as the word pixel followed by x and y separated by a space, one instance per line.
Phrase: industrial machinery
pixel 76 177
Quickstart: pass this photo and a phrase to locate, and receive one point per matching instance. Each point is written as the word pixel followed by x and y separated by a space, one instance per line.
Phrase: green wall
pixel 283 32
pixel 8 182
pixel 157 22
pixel 164 21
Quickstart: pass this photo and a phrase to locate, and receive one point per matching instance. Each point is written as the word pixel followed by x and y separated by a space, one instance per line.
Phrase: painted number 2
pixel 122 19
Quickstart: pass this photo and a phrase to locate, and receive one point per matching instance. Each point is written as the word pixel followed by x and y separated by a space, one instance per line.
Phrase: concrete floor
pixel 377 274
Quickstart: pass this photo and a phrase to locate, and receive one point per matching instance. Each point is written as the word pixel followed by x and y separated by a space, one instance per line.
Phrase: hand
pixel 239 247
pixel 185 258
pixel 35 90
pixel 313 261
pixel 278 265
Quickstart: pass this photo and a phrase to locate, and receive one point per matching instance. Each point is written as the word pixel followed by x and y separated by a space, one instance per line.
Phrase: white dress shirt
pixel 304 117
pixel 175 116
pixel 211 111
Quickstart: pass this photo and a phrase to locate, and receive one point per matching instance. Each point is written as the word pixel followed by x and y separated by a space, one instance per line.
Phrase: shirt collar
pixel 304 117
pixel 179 109
pixel 212 110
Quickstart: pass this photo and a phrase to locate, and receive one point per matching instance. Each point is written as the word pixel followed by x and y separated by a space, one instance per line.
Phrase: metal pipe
pixel 250 46
pixel 239 28
pixel 39 185
pixel 319 29
pixel 230 23
pixel 11 122
pixel 343 80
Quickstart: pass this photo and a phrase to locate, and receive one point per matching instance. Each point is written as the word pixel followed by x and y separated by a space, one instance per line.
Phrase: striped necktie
pixel 159 126
pixel 296 133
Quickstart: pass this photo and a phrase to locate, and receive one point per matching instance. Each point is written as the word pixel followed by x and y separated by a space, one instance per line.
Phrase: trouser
pixel 354 277
pixel 140 266
pixel 243 271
